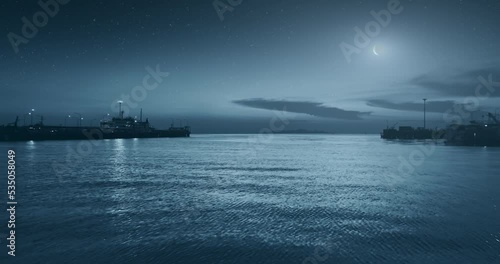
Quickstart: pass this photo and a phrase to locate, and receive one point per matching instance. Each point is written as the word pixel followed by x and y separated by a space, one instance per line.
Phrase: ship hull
pixel 81 133
pixel 473 135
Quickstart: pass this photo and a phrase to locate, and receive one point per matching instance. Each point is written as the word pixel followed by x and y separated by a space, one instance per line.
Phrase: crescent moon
pixel 375 50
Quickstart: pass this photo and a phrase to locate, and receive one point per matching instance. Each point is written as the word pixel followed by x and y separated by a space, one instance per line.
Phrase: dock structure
pixel 408 132
pixel 116 127
pixel 473 134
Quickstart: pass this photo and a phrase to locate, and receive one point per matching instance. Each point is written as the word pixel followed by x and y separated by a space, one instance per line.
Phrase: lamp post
pixel 79 119
pixel 425 99
pixel 120 109
pixel 31 114
pixel 105 118
pixel 24 118
pixel 65 119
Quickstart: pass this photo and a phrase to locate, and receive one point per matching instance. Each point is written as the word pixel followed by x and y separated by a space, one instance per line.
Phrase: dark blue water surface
pixel 254 199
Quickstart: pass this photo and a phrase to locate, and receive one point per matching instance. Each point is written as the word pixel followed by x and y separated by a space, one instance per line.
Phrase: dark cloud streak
pixel 461 84
pixel 302 107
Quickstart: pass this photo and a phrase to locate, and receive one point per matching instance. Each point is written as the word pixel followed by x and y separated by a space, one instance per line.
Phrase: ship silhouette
pixel 116 127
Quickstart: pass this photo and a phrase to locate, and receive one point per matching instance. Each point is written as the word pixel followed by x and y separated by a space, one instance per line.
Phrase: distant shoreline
pixel 303 131
pixel 286 133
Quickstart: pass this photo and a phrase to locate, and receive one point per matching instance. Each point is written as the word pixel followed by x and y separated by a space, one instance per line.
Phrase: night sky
pixel 262 58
